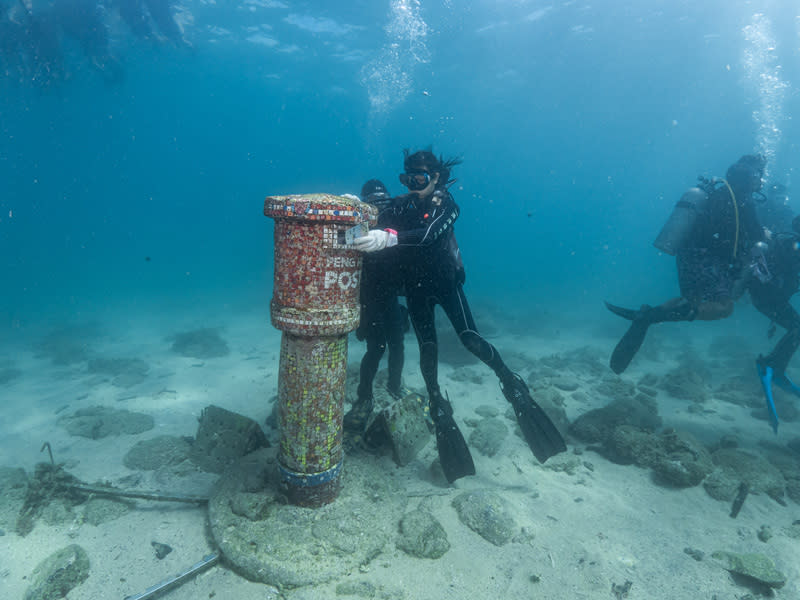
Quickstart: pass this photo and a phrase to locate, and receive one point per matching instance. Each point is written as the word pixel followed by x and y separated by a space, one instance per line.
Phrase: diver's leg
pixel 454 454
pixel 788 318
pixel 713 311
pixel 394 324
pixel 356 418
pixel 771 302
pixel 370 329
pixel 539 432
pixel 421 311
pixel 457 309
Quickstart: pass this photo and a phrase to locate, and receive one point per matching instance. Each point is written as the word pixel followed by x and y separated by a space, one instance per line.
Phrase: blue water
pixel 135 207
pixel 579 126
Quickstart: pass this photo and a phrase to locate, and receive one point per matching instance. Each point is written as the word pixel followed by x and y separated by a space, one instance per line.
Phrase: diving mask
pixel 415 180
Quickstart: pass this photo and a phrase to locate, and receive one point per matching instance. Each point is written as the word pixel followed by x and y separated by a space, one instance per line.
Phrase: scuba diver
pixel 776 279
pixel 384 321
pixel 433 273
pixel 711 231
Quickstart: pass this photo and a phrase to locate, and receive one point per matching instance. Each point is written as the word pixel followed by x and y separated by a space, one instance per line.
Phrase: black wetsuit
pixel 383 320
pixel 433 274
pixel 772 295
pixel 708 268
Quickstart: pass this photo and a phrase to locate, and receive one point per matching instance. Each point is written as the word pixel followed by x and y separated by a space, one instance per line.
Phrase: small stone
pixel 488 436
pixel 765 533
pixel 362 589
pixel 485 410
pixel 565 384
pixel 756 566
pixel 223 437
pixel 161 549
pixel 421 535
pixel 58 574
pixel 157 452
pixel 251 505
pixel 696 554
pixel 488 515
pixel 97 511
pixel 405 426
pixel 620 590
pixel 97 422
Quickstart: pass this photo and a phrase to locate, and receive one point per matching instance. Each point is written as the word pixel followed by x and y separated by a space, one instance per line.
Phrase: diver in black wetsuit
pixel 776 280
pixel 711 232
pixel 383 320
pixel 433 273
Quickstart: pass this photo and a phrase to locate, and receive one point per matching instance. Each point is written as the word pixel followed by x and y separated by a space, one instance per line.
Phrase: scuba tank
pixel 693 202
pixel 681 221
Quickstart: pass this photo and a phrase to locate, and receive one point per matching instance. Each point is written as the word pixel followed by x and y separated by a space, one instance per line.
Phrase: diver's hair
pixel 427 159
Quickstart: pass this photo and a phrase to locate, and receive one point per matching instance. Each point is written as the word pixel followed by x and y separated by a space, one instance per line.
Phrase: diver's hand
pixel 352 197
pixel 376 239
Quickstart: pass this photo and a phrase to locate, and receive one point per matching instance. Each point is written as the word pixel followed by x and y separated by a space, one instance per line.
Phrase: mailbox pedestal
pixel 315 304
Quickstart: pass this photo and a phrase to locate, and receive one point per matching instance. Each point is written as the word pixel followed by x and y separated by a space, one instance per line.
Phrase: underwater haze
pixel 138 142
pixel 580 124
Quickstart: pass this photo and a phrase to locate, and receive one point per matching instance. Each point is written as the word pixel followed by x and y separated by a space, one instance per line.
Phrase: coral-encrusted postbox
pixel 315 304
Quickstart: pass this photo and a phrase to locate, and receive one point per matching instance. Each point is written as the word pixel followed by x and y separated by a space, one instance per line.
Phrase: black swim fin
pixel 538 429
pixel 454 454
pixel 625 313
pixel 629 345
pixel 679 309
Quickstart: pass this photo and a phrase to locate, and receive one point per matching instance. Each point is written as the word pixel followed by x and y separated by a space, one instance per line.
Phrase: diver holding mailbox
pixel 422 228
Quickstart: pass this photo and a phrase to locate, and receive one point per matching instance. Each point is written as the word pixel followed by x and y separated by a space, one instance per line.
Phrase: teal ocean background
pixel 580 124
pixel 136 273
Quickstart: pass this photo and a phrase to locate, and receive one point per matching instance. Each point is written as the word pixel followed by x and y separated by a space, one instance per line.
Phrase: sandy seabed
pixel 588 531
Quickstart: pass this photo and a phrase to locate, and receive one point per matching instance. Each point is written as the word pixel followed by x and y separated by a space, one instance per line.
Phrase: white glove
pixel 376 239
pixel 350 197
